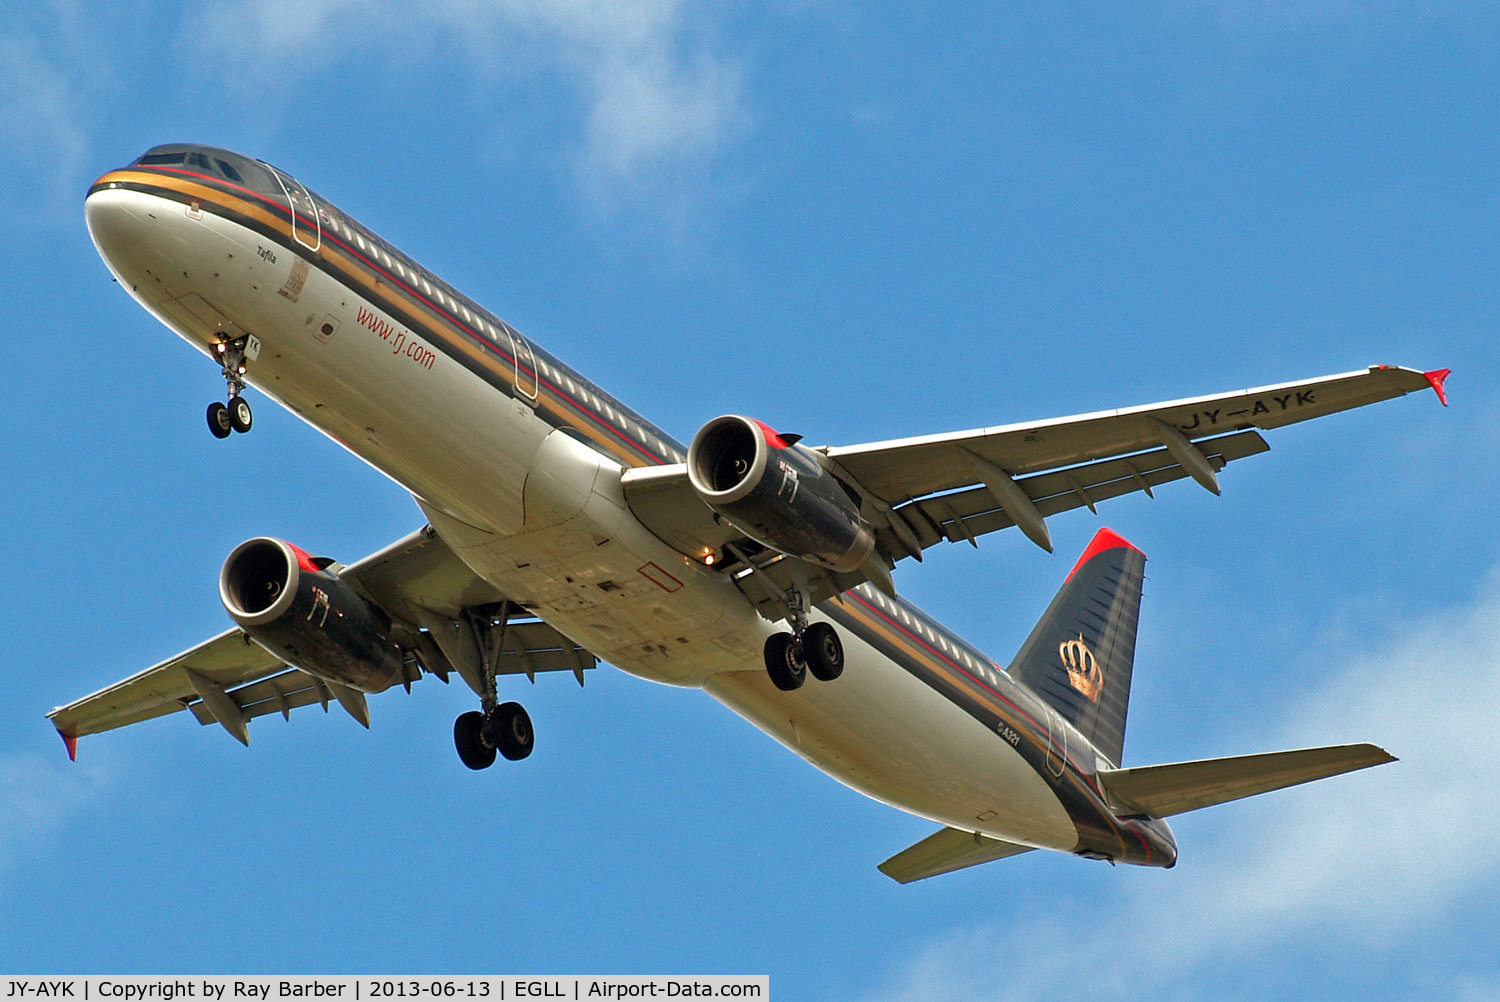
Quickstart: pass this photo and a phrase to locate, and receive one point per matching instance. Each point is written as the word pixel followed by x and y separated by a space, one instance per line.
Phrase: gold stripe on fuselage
pixel 873 621
pixel 365 277
pixel 387 292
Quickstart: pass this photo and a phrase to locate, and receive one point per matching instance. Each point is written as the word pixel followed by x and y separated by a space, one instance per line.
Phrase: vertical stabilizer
pixel 1080 655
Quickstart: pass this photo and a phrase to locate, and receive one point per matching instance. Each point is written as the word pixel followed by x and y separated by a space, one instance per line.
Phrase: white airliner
pixel 564 529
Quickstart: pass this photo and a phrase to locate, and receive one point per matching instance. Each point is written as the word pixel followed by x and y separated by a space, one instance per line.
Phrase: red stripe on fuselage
pixel 374 267
pixel 1084 780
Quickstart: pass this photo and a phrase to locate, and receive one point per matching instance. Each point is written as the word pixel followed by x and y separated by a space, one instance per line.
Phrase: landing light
pixel 709 557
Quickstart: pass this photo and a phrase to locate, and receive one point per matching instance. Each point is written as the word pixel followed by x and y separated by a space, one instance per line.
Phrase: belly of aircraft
pixel 581 560
pixel 882 732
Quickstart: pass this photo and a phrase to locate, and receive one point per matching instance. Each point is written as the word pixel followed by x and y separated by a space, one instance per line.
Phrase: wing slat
pixel 417 572
pixel 903 469
pixel 226 660
pixel 918 492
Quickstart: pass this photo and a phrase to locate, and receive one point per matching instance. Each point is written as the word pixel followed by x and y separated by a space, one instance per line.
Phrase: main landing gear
pixel 503 728
pixel 235 415
pixel 506 729
pixel 810 647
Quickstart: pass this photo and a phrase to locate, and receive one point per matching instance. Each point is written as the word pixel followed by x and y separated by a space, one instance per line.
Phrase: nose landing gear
pixel 234 358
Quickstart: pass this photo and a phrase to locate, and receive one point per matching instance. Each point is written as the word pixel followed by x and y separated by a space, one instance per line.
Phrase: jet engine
pixel 297 609
pixel 776 492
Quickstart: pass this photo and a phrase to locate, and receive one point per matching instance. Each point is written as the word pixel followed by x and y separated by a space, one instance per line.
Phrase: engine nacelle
pixel 777 493
pixel 308 616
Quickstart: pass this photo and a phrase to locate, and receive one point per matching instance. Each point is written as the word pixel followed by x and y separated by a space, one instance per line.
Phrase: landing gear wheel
pixel 508 728
pixel 784 662
pixel 219 421
pixel 239 414
pixel 473 751
pixel 823 651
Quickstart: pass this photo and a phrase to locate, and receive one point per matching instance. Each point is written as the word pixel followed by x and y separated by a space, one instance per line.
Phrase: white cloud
pixel 44 91
pixel 40 794
pixel 656 99
pixel 1365 865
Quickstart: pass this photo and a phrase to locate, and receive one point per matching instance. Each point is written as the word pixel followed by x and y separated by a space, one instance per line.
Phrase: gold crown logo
pixel 1084 671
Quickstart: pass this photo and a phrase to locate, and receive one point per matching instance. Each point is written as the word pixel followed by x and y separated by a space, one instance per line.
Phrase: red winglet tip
pixel 1104 539
pixel 71 741
pixel 1435 379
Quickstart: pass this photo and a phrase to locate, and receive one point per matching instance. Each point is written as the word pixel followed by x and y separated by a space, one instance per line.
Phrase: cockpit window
pixel 229 172
pixel 161 159
pixel 199 161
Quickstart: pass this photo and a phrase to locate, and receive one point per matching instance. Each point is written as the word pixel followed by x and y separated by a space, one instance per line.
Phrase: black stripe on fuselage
pixel 994 705
pixel 368 279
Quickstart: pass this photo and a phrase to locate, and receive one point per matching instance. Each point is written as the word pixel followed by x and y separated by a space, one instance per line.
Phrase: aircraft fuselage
pixel 516 460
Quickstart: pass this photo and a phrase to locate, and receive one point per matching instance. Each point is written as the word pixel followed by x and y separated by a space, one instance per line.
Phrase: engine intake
pixel 308 616
pixel 776 492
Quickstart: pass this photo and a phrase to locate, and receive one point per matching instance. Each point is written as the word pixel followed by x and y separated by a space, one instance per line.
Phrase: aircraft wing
pixel 229 679
pixel 917 492
pixel 957 486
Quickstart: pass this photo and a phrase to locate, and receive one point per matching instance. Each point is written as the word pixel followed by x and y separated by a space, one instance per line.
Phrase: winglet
pixel 1435 378
pixel 71 741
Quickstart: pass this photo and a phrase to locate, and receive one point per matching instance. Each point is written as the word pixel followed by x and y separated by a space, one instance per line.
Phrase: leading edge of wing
pixel 1039 445
pixel 227 659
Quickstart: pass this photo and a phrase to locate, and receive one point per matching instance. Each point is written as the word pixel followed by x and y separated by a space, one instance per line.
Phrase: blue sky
pixel 855 221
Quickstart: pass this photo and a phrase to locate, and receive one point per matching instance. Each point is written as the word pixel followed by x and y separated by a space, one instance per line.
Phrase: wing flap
pixel 1160 791
pixel 278 694
pixel 415 580
pixel 664 501
pixel 903 469
pixel 917 492
pixel 227 660
pixel 966 514
pixel 532 647
pixel 944 851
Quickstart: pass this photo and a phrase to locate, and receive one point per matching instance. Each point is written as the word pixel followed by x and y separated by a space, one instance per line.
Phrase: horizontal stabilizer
pixel 945 851
pixel 1160 791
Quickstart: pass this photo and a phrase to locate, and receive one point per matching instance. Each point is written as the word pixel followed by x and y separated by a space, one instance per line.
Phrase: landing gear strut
pixel 503 728
pixel 234 358
pixel 810 647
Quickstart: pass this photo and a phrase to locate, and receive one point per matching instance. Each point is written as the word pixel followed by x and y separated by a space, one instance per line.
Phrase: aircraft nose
pixel 141 239
pixel 115 225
